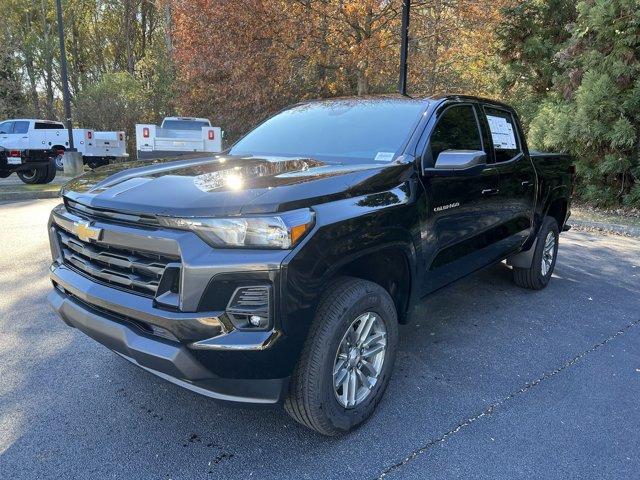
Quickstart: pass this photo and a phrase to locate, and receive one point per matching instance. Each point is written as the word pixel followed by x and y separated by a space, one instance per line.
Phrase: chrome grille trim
pixel 121 260
pixel 136 271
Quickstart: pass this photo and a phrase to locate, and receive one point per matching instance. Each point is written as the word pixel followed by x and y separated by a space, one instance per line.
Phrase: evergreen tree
pixel 530 36
pixel 594 112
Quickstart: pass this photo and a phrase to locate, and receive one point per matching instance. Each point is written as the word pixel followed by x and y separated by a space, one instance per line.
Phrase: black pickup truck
pixel 280 270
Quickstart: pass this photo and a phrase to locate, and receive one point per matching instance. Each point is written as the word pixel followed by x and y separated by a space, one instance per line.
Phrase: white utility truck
pixel 176 136
pixel 32 136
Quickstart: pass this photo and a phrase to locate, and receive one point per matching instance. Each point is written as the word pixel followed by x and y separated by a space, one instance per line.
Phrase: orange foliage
pixel 240 61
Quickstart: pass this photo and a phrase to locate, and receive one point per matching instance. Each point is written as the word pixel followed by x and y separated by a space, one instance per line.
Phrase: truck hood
pixel 223 185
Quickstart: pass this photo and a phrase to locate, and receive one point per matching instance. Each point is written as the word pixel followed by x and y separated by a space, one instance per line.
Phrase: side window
pixel 21 126
pixel 48 126
pixel 457 129
pixel 502 126
pixel 6 127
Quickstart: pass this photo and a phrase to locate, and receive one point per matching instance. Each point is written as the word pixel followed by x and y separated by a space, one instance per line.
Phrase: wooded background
pixel 571 68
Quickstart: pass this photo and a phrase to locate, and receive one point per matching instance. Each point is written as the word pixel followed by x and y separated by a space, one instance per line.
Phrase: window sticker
pixel 384 156
pixel 502 133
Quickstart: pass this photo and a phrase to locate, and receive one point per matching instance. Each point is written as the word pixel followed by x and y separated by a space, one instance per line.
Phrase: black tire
pixel 31 176
pixel 312 400
pixel 50 172
pixel 39 175
pixel 533 277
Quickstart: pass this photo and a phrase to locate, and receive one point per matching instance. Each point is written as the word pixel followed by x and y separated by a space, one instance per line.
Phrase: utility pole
pixel 404 47
pixel 65 77
pixel 72 159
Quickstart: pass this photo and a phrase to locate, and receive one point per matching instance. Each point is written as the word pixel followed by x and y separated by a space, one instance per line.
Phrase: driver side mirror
pixel 458 162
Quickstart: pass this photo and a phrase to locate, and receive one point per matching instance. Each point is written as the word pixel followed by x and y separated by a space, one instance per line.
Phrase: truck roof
pixel 195 119
pixel 30 120
pixel 396 97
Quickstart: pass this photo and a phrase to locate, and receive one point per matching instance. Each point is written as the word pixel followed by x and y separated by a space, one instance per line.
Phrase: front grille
pixel 132 270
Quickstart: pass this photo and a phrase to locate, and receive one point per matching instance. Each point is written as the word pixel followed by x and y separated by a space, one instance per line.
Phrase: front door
pixel 6 135
pixel 461 209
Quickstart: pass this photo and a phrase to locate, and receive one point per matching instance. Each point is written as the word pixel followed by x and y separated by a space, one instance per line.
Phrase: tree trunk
pixel 363 83
pixel 33 91
pixel 129 14
pixel 47 58
pixel 168 26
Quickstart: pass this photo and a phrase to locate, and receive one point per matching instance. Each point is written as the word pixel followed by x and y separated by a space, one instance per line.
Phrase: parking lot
pixel 491 381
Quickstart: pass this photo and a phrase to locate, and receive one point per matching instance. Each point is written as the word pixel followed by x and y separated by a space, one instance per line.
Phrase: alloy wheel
pixel 359 359
pixel 548 253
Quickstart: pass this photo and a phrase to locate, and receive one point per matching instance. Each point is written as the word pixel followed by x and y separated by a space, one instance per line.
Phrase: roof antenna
pixel 404 47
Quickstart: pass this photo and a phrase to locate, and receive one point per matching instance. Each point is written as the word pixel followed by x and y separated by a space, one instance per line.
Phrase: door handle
pixel 490 191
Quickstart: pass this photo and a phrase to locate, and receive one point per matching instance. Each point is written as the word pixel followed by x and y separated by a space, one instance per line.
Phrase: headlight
pixel 276 231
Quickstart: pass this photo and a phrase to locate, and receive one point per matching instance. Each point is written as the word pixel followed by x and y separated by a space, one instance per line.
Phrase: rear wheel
pixel 347 359
pixel 30 176
pixel 39 175
pixel 537 276
pixel 50 172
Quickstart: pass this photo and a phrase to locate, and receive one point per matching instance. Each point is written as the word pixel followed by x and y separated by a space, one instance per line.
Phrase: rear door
pixel 461 209
pixel 21 134
pixel 516 176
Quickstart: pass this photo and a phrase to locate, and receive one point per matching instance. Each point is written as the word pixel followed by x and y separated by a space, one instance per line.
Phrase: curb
pixel 22 195
pixel 603 227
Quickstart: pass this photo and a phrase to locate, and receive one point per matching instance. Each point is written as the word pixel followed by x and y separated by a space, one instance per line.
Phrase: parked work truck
pixel 33 142
pixel 280 270
pixel 177 136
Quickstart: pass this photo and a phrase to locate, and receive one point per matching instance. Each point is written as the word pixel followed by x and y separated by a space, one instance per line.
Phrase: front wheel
pixel 537 276
pixel 347 359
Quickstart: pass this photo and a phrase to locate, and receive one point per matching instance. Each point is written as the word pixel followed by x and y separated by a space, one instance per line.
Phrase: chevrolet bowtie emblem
pixel 86 232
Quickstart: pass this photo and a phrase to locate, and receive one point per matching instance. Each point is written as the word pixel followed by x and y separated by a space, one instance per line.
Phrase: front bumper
pixel 169 360
pixel 192 344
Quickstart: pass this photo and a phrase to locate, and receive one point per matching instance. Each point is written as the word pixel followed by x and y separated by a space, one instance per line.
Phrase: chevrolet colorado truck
pixel 279 271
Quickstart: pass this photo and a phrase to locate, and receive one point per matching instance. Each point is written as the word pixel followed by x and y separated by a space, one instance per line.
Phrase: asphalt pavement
pixel 492 381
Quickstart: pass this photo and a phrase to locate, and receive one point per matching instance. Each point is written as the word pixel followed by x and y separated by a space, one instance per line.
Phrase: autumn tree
pixel 240 61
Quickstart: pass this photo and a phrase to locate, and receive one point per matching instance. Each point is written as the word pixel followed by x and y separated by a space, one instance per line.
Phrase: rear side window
pixel 48 126
pixel 20 126
pixel 502 126
pixel 457 129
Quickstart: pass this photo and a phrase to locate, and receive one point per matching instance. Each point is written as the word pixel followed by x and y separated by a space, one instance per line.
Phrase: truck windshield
pixel 185 124
pixel 358 130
